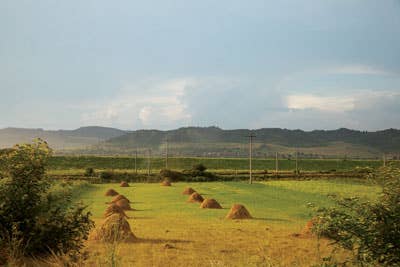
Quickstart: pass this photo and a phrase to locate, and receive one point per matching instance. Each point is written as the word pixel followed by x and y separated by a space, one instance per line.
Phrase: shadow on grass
pixel 161 241
pixel 271 219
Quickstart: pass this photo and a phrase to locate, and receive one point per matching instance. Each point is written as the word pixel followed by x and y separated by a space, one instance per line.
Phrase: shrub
pixel 199 168
pixel 33 220
pixel 370 229
pixel 106 176
pixel 89 172
pixel 174 176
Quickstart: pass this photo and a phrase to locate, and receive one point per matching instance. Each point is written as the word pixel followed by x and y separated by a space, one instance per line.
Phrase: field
pixel 173 232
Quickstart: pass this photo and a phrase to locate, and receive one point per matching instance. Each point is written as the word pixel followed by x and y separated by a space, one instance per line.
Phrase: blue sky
pixel 304 64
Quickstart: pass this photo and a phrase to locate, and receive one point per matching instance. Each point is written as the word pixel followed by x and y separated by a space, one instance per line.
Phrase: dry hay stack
pixel 195 197
pixel 210 203
pixel 124 184
pixel 188 191
pixel 238 211
pixel 123 204
pixel 115 228
pixel 110 193
pixel 166 183
pixel 114 209
pixel 119 197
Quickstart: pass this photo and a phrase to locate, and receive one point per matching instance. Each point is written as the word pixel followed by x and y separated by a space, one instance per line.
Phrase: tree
pixel 37 220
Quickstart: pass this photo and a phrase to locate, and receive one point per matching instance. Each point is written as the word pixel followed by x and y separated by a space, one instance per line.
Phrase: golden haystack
pixel 195 197
pixel 119 197
pixel 114 209
pixel 124 184
pixel 166 183
pixel 238 211
pixel 124 204
pixel 110 193
pixel 188 191
pixel 210 203
pixel 115 228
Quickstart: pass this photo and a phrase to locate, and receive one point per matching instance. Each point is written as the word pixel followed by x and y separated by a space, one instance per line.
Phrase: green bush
pixel 371 230
pixel 33 220
pixel 199 168
pixel 89 172
pixel 174 176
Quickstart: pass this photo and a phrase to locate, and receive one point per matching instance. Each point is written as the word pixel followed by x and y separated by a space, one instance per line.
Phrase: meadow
pixel 173 232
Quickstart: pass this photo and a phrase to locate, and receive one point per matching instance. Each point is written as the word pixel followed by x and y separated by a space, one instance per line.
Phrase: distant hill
pixel 61 139
pixel 213 141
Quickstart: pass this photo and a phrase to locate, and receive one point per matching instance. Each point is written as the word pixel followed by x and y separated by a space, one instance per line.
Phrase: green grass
pixel 275 201
pixel 128 163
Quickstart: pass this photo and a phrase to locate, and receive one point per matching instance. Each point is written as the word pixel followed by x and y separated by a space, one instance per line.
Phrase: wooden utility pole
pixel 148 162
pixel 276 164
pixel 136 161
pixel 166 154
pixel 251 136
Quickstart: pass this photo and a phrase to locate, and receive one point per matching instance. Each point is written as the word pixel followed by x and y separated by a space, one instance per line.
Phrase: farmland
pixel 171 231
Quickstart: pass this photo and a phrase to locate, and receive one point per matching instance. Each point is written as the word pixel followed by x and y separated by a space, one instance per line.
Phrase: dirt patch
pixel 115 228
pixel 114 209
pixel 110 193
pixel 195 197
pixel 238 211
pixel 210 203
pixel 166 183
pixel 124 184
pixel 188 191
pixel 123 204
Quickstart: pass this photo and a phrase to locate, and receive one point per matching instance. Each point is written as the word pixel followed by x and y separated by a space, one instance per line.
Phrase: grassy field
pixel 77 164
pixel 173 232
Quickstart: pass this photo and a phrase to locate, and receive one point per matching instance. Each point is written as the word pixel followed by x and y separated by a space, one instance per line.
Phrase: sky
pixel 296 64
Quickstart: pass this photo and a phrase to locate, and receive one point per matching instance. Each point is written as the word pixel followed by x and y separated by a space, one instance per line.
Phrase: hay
pixel 195 197
pixel 188 191
pixel 119 197
pixel 110 193
pixel 123 204
pixel 308 228
pixel 115 228
pixel 124 184
pixel 114 209
pixel 238 211
pixel 210 203
pixel 166 183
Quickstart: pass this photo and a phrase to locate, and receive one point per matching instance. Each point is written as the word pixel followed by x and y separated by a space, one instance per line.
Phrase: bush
pixel 199 168
pixel 173 176
pixel 106 176
pixel 89 172
pixel 370 229
pixel 33 220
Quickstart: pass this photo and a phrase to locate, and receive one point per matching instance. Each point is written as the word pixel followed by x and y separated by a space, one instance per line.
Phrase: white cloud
pixel 148 103
pixel 357 69
pixel 324 103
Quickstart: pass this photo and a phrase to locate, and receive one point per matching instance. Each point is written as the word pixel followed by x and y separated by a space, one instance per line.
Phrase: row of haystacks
pixel 115 227
pixel 237 211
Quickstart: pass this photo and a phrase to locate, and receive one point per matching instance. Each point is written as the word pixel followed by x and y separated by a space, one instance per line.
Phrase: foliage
pixel 35 220
pixel 370 229
pixel 89 172
pixel 173 176
pixel 199 167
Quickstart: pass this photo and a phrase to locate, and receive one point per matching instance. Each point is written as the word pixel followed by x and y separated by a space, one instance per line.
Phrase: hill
pixel 213 141
pixel 60 139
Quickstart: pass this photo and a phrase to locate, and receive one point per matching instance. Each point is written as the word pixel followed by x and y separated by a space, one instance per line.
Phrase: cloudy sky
pixel 308 64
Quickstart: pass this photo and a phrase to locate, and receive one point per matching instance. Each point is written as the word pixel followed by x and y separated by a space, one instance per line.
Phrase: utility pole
pixel 136 161
pixel 166 153
pixel 148 162
pixel 276 164
pixel 297 164
pixel 251 136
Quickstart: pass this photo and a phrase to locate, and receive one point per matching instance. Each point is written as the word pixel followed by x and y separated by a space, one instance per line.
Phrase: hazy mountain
pixel 60 139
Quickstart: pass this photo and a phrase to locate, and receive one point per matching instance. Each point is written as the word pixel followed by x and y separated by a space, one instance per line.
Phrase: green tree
pixel 34 220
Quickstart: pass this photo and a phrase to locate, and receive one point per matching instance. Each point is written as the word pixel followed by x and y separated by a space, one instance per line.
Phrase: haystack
pixel 238 211
pixel 166 183
pixel 308 228
pixel 114 209
pixel 110 193
pixel 124 204
pixel 188 191
pixel 124 184
pixel 119 197
pixel 210 203
pixel 115 228
pixel 195 197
